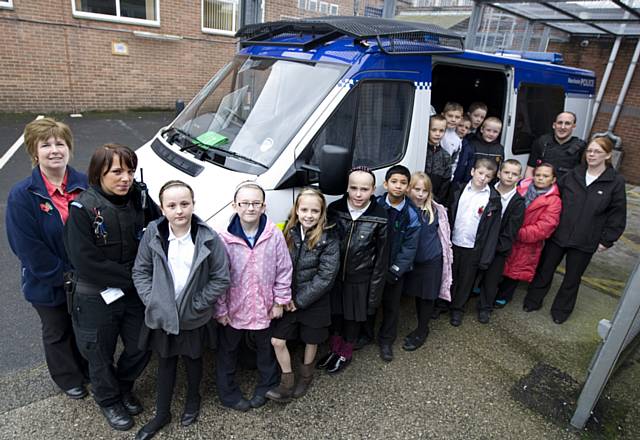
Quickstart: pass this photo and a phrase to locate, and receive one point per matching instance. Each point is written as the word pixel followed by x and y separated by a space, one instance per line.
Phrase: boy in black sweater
pixel 483 144
pixel 475 227
pixel 403 231
pixel 438 161
pixel 512 216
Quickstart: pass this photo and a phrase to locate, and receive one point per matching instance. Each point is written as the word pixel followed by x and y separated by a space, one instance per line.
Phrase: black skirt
pixel 425 279
pixel 350 300
pixel 190 343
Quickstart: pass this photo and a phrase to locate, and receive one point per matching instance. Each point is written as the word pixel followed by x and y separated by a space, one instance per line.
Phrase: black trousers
pixel 227 360
pixel 97 327
pixel 575 265
pixel 490 282
pixel 391 296
pixel 67 367
pixel 424 310
pixel 167 369
pixel 507 289
pixel 465 269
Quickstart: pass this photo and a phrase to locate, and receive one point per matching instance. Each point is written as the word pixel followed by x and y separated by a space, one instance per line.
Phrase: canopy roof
pixel 596 17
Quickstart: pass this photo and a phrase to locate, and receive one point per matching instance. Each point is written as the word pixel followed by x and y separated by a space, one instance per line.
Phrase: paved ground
pixel 517 377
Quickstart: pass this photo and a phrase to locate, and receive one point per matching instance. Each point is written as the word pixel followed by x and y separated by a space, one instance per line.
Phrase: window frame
pixel 236 25
pixel 6 4
pixel 115 18
pixel 302 4
pixel 331 9
pixel 322 4
pixel 316 2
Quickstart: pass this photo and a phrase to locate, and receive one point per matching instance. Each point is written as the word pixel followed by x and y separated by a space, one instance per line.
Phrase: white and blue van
pixel 303 101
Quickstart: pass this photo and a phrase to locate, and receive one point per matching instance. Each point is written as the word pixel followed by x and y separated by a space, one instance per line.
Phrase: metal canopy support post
pixel 474 25
pixel 605 81
pixel 614 342
pixel 625 86
pixel 526 38
pixel 389 9
pixel 544 40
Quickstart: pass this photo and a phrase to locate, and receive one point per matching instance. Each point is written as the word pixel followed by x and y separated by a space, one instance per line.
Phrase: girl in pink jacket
pixel 261 269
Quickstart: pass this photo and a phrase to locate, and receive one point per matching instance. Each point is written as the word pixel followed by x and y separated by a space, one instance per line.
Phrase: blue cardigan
pixel 35 236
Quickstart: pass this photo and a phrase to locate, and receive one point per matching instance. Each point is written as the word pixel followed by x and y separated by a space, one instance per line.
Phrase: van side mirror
pixel 335 162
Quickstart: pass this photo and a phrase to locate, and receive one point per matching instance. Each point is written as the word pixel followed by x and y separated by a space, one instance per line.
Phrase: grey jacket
pixel 208 279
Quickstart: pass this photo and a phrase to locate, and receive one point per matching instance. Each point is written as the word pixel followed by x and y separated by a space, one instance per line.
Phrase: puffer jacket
pixel 260 277
pixel 314 272
pixel 208 278
pixel 540 220
pixel 444 234
pixel 363 246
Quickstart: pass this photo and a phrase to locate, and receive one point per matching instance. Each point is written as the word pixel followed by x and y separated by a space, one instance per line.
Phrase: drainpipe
pixel 604 83
pixel 625 87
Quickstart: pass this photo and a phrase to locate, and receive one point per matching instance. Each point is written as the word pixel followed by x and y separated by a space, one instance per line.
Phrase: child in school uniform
pixel 361 224
pixel 431 275
pixel 261 272
pixel 541 218
pixel 464 127
pixel 477 113
pixel 475 220
pixel 403 232
pixel 438 161
pixel 512 216
pixel 180 271
pixel 315 251
pixel 483 144
pixel 451 142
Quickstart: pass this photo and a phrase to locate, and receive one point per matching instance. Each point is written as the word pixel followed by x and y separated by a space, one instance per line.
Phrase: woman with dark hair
pixel 36 212
pixel 101 238
pixel 594 214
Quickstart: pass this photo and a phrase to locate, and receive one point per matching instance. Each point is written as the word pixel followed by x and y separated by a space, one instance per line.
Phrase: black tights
pixel 349 330
pixel 424 309
pixel 166 380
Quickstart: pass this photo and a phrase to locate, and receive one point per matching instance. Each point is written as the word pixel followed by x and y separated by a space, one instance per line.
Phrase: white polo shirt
pixel 180 258
pixel 506 198
pixel 471 205
pixel 356 213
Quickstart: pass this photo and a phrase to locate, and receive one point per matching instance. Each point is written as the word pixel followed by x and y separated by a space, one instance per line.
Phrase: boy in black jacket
pixel 438 162
pixel 483 144
pixel 475 227
pixel 512 216
pixel 403 231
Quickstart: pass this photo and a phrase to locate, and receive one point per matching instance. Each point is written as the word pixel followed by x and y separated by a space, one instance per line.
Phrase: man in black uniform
pixel 560 148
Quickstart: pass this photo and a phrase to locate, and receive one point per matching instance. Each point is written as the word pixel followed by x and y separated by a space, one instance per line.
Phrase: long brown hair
pixel 314 234
pixel 427 208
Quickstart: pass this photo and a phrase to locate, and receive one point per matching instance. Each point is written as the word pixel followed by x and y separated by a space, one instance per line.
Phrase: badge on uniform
pixel 111 294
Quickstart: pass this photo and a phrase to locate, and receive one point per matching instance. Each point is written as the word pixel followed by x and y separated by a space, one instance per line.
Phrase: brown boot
pixel 306 377
pixel 282 393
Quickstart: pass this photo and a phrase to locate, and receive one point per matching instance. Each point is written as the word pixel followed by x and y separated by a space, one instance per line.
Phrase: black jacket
pixel 104 255
pixel 364 252
pixel 488 228
pixel 564 157
pixel 591 215
pixel 438 168
pixel 510 225
pixel 402 237
pixel 314 271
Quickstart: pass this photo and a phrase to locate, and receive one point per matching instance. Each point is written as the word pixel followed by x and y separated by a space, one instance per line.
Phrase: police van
pixel 303 101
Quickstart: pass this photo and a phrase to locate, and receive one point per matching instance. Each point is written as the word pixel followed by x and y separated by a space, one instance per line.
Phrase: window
pixel 221 16
pixel 143 12
pixel 333 10
pixel 324 7
pixel 373 121
pixel 536 109
pixel 6 4
pixel 312 5
pixel 302 4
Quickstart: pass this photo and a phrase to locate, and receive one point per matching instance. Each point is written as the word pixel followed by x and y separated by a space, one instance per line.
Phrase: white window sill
pixel 114 19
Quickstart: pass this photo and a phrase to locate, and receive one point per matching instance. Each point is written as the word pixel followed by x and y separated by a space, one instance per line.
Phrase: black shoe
pixel 339 365
pixel 149 430
pixel 437 312
pixel 241 405
pixel 386 352
pixel 558 320
pixel 412 343
pixel 362 342
pixel 189 417
pixel 117 416
pixel 76 393
pixel 528 309
pixel 327 360
pixel 257 401
pixel 131 404
pixel 456 318
pixel 484 316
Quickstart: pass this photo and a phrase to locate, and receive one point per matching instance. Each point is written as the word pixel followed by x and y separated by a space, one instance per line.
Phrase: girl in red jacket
pixel 541 218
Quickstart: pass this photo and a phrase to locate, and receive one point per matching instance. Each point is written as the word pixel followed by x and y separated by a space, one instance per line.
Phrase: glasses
pixel 250 204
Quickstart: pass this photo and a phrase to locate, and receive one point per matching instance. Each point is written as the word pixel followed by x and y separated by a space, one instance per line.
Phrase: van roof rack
pixel 393 36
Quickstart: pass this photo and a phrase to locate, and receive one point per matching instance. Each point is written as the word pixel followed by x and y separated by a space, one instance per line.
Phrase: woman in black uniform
pixel 101 238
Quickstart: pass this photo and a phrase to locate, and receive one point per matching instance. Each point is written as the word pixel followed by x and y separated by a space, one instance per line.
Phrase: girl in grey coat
pixel 180 270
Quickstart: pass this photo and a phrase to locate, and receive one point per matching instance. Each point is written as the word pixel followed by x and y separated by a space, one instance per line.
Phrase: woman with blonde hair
pixel 430 278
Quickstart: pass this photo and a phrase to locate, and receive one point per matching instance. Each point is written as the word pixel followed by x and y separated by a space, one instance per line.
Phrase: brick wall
pixel 594 57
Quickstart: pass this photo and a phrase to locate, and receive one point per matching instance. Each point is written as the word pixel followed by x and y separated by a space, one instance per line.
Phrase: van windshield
pixel 245 116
